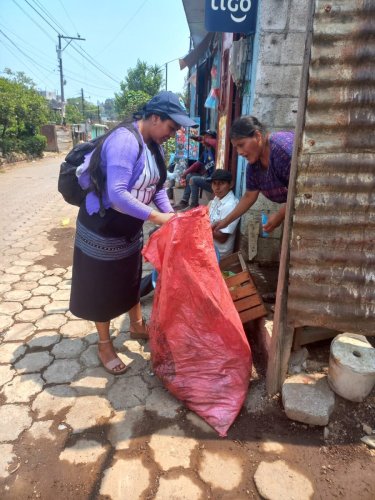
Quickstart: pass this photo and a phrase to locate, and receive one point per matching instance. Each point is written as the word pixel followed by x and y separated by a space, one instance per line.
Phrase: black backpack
pixel 68 184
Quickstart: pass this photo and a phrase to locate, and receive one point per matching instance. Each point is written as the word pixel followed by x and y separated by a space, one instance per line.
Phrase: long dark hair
pixel 245 126
pixel 98 177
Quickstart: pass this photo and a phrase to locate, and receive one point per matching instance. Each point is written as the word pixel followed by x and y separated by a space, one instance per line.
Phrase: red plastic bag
pixel 198 346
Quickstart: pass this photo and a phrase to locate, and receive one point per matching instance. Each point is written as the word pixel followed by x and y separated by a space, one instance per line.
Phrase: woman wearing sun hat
pixel 125 173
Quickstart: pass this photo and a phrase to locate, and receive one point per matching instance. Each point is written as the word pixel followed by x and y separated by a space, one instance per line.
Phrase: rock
pixel 220 470
pixel 277 481
pixel 367 429
pixel 369 441
pixel 307 398
pixel 125 479
pixel 172 448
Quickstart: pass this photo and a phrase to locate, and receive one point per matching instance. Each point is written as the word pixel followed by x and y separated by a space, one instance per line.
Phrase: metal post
pixel 59 56
pixel 59 51
pixel 166 76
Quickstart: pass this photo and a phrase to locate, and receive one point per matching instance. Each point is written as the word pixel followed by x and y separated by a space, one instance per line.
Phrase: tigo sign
pixel 231 16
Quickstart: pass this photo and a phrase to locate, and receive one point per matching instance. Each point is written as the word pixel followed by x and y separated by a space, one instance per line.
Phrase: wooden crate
pixel 245 296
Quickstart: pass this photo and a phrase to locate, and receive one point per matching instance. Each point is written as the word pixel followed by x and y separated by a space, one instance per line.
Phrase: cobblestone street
pixel 70 430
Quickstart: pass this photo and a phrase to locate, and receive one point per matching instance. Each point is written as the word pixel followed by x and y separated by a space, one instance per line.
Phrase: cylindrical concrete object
pixel 351 371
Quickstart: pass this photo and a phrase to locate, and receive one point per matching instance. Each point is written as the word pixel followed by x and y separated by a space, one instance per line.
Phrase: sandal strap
pixel 113 363
pixel 104 341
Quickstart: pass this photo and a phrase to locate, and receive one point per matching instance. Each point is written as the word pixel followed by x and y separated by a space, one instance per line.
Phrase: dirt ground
pixel 339 466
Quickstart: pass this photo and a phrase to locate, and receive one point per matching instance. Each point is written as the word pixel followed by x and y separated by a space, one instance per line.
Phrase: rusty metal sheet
pixel 332 246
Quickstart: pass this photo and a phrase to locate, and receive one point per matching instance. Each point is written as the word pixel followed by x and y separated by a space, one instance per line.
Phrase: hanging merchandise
pixel 238 56
pixel 212 100
pixel 198 346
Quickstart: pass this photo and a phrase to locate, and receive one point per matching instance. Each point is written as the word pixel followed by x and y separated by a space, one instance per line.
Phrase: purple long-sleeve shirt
pixel 273 181
pixel 119 162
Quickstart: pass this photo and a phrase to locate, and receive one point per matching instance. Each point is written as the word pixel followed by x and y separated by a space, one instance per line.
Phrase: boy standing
pixel 223 204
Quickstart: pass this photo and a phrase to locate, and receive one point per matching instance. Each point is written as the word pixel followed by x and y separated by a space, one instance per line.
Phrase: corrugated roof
pixel 332 259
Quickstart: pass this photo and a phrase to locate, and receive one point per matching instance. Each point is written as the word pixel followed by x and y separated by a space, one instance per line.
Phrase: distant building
pixel 49 95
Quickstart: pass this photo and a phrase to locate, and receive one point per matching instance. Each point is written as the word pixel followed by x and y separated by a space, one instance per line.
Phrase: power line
pixel 24 64
pixel 89 58
pixel 44 19
pixel 124 27
pixel 22 52
pixel 33 20
pixel 67 15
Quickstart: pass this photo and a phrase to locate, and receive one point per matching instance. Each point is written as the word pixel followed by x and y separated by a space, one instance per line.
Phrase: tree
pixel 109 109
pixel 22 109
pixel 22 112
pixel 145 78
pixel 130 101
pixel 140 84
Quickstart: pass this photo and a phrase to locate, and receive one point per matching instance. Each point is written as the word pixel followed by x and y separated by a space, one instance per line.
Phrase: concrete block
pixel 274 15
pixel 270 52
pixel 278 80
pixel 285 112
pixel 298 15
pixel 293 48
pixel 283 48
pixel 308 398
pixel 351 371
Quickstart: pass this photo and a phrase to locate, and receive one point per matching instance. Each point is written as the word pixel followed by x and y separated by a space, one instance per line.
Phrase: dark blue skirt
pixel 107 265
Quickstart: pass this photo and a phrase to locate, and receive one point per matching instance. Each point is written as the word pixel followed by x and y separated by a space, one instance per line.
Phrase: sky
pixel 116 33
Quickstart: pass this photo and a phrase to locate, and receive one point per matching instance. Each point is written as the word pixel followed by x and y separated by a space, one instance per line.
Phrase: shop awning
pixel 193 57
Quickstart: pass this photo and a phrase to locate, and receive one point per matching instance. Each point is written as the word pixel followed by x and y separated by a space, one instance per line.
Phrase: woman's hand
pixel 274 220
pixel 160 218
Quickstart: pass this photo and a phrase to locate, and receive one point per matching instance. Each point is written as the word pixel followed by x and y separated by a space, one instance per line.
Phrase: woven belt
pixel 100 248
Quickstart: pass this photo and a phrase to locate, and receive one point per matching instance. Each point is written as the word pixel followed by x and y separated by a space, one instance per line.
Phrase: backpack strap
pixel 137 135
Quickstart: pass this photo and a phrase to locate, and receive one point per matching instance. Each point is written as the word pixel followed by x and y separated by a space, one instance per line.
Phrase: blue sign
pixel 231 16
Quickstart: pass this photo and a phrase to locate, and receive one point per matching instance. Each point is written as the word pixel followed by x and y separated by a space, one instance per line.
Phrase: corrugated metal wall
pixel 332 247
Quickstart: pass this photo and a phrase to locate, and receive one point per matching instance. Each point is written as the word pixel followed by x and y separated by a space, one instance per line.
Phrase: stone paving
pixel 126 436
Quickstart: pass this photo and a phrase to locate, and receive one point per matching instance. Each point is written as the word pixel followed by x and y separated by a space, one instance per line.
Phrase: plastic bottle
pixel 264 222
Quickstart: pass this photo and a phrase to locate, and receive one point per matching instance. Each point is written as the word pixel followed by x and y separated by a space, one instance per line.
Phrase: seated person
pixel 196 175
pixel 222 205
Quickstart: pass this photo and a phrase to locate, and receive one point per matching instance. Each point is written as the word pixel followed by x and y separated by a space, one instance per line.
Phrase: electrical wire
pixel 67 15
pixel 22 52
pixel 31 70
pixel 79 50
pixel 39 14
pixel 33 20
pixel 124 27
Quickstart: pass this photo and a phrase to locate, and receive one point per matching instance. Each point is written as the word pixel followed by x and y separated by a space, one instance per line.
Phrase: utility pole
pixel 83 104
pixel 59 51
pixel 166 71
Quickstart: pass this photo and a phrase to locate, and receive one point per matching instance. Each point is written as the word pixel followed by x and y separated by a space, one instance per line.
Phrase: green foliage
pixel 22 112
pixel 10 144
pixel 109 109
pixel 34 145
pixel 77 111
pixel 129 102
pixel 169 148
pixel 73 114
pixel 144 77
pixel 140 84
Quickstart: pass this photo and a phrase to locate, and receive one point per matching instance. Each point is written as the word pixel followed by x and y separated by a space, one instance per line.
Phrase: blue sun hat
pixel 170 104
